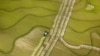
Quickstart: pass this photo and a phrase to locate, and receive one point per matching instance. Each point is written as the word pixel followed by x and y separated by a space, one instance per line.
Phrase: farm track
pixel 47 15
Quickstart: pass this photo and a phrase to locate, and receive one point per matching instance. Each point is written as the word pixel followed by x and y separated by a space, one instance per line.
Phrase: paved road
pixel 60 23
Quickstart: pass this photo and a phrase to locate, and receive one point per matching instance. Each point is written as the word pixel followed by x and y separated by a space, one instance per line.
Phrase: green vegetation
pixel 20 17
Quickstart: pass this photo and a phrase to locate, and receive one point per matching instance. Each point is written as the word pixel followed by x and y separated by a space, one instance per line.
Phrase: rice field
pixel 23 23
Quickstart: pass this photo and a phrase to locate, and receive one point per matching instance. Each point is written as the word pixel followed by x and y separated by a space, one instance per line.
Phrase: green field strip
pixel 80 38
pixel 23 8
pixel 10 0
pixel 77 1
pixel 11 5
pixel 59 1
pixel 95 36
pixel 5 26
pixel 80 52
pixel 90 29
pixel 77 6
pixel 23 19
pixel 84 20
pixel 83 25
pixel 56 0
pixel 9 19
pixel 95 2
pixel 91 14
pixel 87 14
